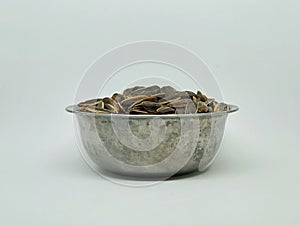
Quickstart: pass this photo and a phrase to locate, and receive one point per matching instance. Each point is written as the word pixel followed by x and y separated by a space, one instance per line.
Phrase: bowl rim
pixel 75 109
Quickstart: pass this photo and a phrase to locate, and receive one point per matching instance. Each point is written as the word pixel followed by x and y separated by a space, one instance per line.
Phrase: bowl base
pixel 151 176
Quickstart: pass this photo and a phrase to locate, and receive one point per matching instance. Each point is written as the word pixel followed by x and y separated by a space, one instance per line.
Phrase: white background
pixel 252 47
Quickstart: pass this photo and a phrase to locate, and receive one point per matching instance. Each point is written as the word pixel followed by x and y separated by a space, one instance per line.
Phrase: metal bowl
pixel 150 145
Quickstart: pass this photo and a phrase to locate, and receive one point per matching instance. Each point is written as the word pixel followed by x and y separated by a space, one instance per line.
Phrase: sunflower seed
pixel 131 100
pixel 202 107
pixel 149 106
pixel 117 97
pixel 168 90
pixel 180 110
pixel 182 95
pixel 159 95
pixel 153 100
pixel 128 91
pixel 137 111
pixel 190 107
pixel 165 109
pixel 201 96
pixel 147 98
pixel 93 110
pixel 164 101
pixel 180 103
pixel 110 105
pixel 90 102
pixel 100 105
pixel 211 103
pixel 146 91
pixel 221 107
pixel 191 94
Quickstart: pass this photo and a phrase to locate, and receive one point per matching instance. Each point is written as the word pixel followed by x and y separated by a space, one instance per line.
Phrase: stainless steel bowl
pixel 150 145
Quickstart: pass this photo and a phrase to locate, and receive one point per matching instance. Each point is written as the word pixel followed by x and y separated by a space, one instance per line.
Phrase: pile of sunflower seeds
pixel 153 100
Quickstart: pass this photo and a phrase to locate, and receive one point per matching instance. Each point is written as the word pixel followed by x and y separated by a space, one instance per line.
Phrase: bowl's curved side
pixel 196 146
pixel 208 145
